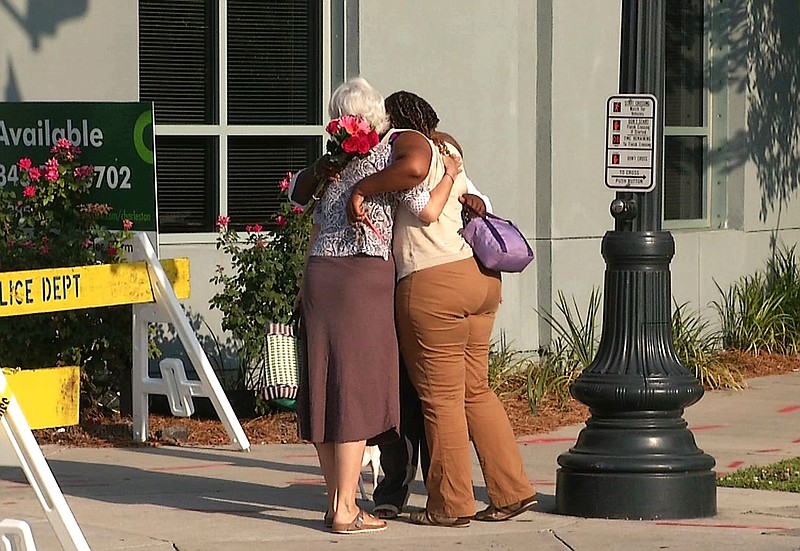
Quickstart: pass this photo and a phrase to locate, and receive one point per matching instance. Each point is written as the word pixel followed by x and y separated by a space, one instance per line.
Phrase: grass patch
pixel 783 476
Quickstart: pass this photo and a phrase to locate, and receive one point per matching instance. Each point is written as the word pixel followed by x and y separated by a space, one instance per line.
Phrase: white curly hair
pixel 356 96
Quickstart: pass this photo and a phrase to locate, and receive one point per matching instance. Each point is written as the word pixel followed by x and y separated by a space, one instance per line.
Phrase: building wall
pixel 522 84
pixel 70 50
pixel 476 63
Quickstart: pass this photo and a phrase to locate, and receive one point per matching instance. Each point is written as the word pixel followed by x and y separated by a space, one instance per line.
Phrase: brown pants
pixel 445 316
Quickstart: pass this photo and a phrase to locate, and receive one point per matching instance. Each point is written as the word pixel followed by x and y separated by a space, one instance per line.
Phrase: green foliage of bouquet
pixel 264 278
pixel 45 222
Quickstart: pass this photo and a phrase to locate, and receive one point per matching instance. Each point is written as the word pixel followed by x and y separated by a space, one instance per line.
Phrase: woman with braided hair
pixel 446 304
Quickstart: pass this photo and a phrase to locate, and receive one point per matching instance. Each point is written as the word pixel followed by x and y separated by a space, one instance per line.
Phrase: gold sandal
pixel 363 523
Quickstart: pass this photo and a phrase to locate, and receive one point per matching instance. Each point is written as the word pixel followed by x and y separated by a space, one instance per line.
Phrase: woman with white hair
pixel 348 393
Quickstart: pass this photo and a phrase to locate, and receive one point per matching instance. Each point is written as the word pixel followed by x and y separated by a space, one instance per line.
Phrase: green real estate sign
pixel 116 138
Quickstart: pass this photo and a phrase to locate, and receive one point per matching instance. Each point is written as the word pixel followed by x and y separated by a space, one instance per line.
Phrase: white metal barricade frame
pixel 173 382
pixel 180 391
pixel 38 472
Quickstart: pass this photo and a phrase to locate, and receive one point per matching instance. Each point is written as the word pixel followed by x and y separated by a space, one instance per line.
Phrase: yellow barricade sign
pixel 5 399
pixel 56 289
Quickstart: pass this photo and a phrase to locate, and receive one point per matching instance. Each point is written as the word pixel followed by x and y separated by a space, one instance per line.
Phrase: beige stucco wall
pixel 522 84
pixel 69 50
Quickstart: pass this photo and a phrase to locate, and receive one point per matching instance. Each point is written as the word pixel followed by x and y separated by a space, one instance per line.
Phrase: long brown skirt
pixel 349 387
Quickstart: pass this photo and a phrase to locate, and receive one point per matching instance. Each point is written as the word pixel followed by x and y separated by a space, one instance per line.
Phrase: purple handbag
pixel 498 243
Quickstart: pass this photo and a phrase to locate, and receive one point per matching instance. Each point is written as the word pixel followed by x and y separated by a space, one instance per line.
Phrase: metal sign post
pixel 636 458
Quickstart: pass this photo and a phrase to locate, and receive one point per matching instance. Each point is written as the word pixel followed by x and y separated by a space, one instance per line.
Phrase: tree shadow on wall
pixel 756 53
pixel 43 17
pixel 764 59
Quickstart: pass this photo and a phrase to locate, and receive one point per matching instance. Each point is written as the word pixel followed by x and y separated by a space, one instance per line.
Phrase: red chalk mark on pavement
pixel 788 409
pixel 192 467
pixel 710 525
pixel 709 427
pixel 769 450
pixel 735 465
pixel 533 440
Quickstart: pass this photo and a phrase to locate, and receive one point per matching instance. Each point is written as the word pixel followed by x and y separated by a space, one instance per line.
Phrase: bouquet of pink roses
pixel 351 136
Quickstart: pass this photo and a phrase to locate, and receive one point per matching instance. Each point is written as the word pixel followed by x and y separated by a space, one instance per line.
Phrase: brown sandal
pixel 363 523
pixel 431 519
pixel 495 514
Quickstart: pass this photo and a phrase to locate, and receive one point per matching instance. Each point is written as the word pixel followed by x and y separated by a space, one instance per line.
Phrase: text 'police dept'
pixel 45 289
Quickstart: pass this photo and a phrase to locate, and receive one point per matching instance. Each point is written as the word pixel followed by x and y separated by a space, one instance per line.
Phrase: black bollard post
pixel 636 458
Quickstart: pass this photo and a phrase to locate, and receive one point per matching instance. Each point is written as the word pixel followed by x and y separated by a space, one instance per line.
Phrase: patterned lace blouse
pixel 337 237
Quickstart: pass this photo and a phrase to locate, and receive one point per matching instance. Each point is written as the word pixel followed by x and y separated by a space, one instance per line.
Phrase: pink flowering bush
pixel 48 224
pixel 264 276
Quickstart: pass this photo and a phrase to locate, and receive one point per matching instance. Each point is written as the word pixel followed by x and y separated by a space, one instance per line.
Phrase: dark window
pixel 684 112
pixel 274 67
pixel 683 177
pixel 178 60
pixel 274 78
pixel 256 165
pixel 186 171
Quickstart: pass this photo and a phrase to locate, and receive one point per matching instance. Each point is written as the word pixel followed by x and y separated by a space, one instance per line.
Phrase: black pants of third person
pixel 399 459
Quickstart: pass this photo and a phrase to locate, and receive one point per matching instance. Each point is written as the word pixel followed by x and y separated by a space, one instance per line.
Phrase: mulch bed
pixel 279 428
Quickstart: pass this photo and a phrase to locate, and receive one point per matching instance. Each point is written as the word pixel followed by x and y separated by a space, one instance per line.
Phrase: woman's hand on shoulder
pixel 453 166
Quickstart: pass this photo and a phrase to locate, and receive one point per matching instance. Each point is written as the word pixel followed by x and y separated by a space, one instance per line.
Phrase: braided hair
pixel 408 110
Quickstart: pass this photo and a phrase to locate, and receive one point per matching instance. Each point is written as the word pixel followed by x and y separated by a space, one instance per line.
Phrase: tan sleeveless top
pixel 418 245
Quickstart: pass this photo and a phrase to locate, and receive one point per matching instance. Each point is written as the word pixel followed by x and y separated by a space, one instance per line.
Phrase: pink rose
pixel 25 163
pixel 333 127
pixel 34 174
pixel 285 184
pixel 257 228
pixel 51 169
pixel 222 222
pixel 29 192
pixel 356 144
pixel 83 172
pixel 127 225
pixel 373 139
pixel 281 221
pixel 112 251
pixel 297 209
pixel 351 124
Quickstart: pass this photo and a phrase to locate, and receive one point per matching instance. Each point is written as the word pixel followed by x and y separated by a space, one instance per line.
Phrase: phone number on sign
pixel 112 177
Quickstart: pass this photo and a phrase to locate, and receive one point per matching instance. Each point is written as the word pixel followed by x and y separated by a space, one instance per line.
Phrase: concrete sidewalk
pixel 203 499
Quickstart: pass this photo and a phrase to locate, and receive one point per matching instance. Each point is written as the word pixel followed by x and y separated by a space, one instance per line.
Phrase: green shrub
pixel 507 368
pixel 761 312
pixel 697 347
pixel 45 222
pixel 572 349
pixel 266 271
